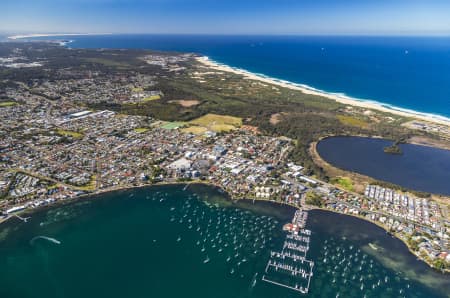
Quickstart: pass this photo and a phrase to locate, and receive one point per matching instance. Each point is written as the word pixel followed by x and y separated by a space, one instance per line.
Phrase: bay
pixel 168 242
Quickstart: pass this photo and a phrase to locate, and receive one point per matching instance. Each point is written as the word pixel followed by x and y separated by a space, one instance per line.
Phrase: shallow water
pixel 166 242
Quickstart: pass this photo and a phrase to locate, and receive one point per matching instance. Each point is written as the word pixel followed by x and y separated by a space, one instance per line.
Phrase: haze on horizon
pixel 309 17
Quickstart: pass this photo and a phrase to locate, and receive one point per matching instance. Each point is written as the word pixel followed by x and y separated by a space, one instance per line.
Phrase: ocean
pixel 167 241
pixel 410 73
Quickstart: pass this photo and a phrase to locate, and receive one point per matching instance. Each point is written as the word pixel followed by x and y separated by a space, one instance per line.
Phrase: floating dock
pixel 289 268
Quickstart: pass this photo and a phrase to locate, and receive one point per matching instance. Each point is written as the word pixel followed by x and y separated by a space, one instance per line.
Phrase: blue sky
pixel 368 17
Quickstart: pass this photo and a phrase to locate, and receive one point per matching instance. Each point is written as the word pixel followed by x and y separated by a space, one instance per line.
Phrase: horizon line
pixel 14 35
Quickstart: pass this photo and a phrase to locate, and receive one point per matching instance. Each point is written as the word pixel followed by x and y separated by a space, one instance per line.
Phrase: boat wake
pixel 53 240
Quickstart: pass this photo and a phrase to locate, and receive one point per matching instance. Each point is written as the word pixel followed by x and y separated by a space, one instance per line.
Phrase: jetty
pixel 24 219
pixel 290 267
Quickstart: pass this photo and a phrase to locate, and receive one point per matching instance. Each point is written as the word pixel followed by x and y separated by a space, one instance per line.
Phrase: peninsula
pixel 78 122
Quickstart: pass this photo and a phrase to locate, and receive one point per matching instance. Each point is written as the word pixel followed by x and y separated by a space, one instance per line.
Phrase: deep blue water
pixel 406 72
pixel 419 168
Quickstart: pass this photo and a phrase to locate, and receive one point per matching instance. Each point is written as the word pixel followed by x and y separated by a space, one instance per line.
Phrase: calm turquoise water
pixel 407 72
pixel 166 242
pixel 420 168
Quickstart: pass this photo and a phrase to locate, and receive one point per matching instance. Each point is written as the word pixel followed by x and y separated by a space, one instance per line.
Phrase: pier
pixel 289 268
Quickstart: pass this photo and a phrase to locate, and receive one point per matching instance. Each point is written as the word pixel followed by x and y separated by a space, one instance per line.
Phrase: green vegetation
pixel 413 244
pixel 212 119
pixel 306 118
pixel 440 264
pixel 352 121
pixel 312 198
pixel 106 62
pixel 344 182
pixel 52 186
pixel 217 123
pixel 150 98
pixel 196 130
pixel 68 133
pixel 90 186
pixel 7 104
pixel 173 125
pixel 141 129
pixel 394 149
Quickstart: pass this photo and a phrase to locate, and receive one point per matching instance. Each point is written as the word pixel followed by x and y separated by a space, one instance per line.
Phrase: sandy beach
pixel 339 98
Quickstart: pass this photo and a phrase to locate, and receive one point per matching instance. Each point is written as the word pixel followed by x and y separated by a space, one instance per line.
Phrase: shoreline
pixel 340 98
pixel 343 99
pixel 226 194
pixel 15 37
pixel 29 211
pixel 314 153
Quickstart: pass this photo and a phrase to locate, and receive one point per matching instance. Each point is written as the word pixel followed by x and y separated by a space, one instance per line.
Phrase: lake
pixel 420 168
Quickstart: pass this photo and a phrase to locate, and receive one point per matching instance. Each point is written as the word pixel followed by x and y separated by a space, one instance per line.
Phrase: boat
pixel 373 246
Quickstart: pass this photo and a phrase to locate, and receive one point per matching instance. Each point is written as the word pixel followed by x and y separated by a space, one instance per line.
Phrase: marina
pixel 228 247
pixel 289 268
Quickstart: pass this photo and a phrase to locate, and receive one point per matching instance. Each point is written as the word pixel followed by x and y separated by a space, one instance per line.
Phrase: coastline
pixel 226 194
pixel 125 187
pixel 340 98
pixel 366 104
pixel 15 37
pixel 400 260
pixel 89 195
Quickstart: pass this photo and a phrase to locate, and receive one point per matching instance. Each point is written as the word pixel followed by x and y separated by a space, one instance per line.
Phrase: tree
pixel 312 198
pixel 440 264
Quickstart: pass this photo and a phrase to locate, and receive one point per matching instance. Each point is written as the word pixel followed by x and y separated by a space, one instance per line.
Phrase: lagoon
pixel 419 168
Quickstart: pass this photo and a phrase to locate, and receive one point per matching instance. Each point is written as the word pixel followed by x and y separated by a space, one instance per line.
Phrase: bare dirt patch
pixel 275 118
pixel 186 103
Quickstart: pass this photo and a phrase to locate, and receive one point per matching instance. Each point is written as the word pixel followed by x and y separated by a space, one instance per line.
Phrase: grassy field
pixel 7 104
pixel 222 127
pixel 150 98
pixel 344 182
pixel 141 129
pixel 196 130
pixel 68 133
pixel 352 121
pixel 90 186
pixel 217 123
pixel 173 125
